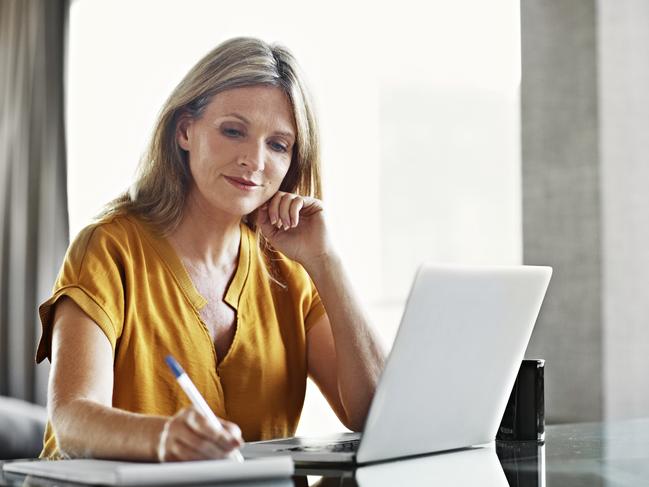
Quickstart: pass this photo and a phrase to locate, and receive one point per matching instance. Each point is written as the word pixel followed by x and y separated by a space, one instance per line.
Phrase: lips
pixel 242 184
pixel 245 182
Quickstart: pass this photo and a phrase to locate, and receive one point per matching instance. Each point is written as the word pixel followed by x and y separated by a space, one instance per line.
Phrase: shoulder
pixel 292 271
pixel 110 236
pixel 123 225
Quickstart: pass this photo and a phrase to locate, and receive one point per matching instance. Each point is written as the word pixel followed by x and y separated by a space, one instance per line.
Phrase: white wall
pixel 418 103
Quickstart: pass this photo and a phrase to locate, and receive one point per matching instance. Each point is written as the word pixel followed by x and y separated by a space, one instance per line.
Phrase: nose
pixel 254 157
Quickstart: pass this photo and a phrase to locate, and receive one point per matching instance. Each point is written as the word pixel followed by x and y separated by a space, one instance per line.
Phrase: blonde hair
pixel 158 194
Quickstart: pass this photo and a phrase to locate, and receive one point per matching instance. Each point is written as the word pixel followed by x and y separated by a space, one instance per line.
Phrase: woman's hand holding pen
pixel 295 226
pixel 189 436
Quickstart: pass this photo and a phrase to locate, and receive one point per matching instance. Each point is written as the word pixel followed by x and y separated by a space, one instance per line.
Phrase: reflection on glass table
pixel 523 462
pixel 607 454
pixel 574 455
pixel 477 466
pixel 471 467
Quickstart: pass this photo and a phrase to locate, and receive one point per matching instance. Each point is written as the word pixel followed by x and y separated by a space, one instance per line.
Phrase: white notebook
pixel 108 472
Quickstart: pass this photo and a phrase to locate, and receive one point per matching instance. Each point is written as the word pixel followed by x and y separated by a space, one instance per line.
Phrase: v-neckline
pixel 179 271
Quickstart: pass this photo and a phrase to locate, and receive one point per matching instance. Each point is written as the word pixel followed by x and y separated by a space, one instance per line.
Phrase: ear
pixel 182 131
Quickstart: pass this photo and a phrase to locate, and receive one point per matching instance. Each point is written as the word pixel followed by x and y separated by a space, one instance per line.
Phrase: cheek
pixel 273 186
pixel 200 173
pixel 209 158
pixel 277 171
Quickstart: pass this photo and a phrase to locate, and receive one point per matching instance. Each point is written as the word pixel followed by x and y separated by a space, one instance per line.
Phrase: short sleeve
pixel 304 293
pixel 92 276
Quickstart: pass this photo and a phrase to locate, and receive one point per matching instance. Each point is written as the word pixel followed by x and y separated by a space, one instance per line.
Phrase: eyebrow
pixel 245 120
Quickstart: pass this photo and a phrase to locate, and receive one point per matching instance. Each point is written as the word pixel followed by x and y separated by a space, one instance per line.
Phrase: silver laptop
pixel 449 374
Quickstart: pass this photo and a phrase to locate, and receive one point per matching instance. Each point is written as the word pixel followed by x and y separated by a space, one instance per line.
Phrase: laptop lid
pixel 454 360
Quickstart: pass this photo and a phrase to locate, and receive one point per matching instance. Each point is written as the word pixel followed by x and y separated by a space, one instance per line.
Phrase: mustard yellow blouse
pixel 134 286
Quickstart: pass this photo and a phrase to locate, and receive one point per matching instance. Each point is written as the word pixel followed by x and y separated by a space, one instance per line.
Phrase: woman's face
pixel 240 149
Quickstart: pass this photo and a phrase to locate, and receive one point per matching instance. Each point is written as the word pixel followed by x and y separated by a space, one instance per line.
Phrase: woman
pixel 218 255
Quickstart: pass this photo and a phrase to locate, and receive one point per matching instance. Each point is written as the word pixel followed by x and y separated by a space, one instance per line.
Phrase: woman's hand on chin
pixel 295 226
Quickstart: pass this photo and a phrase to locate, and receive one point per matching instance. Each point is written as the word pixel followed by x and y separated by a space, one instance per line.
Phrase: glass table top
pixel 585 454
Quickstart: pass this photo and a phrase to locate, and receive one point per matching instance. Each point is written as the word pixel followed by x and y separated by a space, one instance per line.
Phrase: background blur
pixel 498 132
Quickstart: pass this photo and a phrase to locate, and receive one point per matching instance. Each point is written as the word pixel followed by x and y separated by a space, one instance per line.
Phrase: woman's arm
pixel 344 356
pixel 80 404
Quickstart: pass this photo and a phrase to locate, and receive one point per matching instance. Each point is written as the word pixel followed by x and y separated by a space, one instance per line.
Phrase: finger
pixel 284 210
pixel 294 211
pixel 184 448
pixel 235 431
pixel 204 430
pixel 179 452
pixel 203 449
pixel 273 208
pixel 263 221
pixel 175 449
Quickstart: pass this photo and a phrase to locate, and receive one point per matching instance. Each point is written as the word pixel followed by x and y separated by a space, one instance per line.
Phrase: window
pixel 418 104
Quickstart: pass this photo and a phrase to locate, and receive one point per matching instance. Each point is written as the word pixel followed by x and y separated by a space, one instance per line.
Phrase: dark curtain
pixel 33 197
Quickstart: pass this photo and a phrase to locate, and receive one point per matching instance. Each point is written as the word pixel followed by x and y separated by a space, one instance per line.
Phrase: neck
pixel 206 239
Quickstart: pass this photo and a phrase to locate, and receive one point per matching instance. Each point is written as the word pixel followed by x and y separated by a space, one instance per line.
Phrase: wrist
pixel 161 444
pixel 322 264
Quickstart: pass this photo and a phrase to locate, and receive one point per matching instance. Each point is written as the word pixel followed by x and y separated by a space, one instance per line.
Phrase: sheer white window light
pixel 418 103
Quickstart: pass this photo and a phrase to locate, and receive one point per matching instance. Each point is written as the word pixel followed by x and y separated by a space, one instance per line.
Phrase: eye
pixel 278 147
pixel 230 132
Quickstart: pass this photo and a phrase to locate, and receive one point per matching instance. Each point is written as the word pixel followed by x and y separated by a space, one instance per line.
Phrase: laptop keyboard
pixel 339 446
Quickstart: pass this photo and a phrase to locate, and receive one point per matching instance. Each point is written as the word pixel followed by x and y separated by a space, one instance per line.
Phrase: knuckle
pixel 189 420
pixel 175 451
pixel 224 436
pixel 186 412
pixel 204 447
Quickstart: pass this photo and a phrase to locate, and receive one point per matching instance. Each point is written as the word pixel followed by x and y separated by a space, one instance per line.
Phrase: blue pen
pixel 197 400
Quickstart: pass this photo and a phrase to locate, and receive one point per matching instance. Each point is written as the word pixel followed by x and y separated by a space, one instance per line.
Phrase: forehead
pixel 258 104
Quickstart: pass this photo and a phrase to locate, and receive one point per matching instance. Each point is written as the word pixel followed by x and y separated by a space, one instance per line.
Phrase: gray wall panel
pixel 585 170
pixel 561 223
